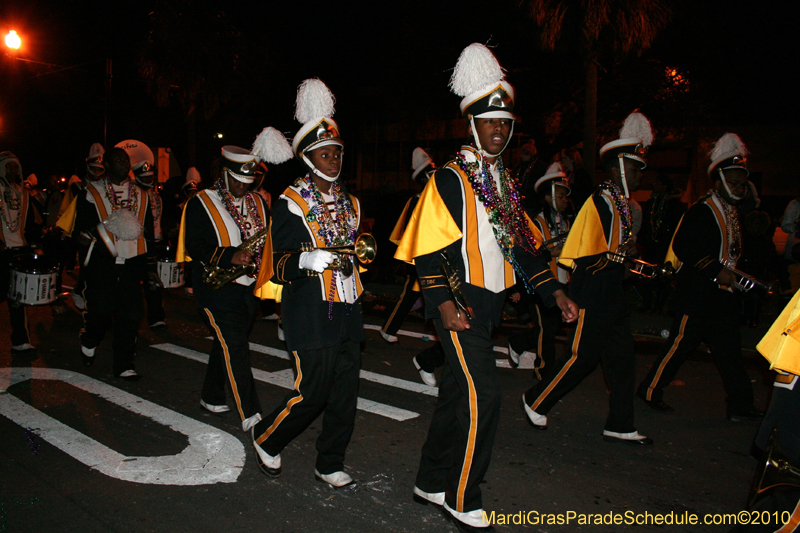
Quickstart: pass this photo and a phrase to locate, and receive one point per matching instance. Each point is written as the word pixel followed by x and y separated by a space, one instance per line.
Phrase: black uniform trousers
pixel 602 334
pixel 718 323
pixel 458 449
pixel 428 359
pixel 407 299
pixel 155 304
pixel 16 313
pixel 541 338
pixel 326 382
pixel 230 315
pixel 113 295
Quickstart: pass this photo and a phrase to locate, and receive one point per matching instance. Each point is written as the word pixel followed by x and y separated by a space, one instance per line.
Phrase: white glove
pixel 316 260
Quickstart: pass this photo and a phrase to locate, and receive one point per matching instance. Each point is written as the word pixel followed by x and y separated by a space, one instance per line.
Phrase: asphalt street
pixel 83 452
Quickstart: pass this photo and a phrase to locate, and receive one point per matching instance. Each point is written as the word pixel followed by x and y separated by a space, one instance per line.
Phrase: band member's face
pixel 737 183
pixel 238 188
pixel 561 199
pixel 12 172
pixel 118 164
pixel 327 159
pixel 493 133
pixel 633 173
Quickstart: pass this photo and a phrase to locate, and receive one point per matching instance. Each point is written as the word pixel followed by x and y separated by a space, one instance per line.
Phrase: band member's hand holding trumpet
pixel 317 260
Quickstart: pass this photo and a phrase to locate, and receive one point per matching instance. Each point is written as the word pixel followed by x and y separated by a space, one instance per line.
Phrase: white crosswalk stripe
pixel 285 379
pixel 526 363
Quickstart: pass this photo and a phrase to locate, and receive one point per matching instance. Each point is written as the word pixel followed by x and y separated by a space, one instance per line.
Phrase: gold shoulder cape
pixel 586 237
pixel 400 226
pixel 430 227
pixel 781 345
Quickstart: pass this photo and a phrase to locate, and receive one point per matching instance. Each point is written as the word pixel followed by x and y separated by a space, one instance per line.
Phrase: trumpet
pixel 776 468
pixel 555 239
pixel 215 277
pixel 454 287
pixel 745 282
pixel 643 268
pixel 364 249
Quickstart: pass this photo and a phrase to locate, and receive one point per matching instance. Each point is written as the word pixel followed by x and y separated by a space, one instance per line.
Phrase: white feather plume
pixel 637 125
pixel 272 146
pixel 314 100
pixel 555 167
pixel 730 142
pixel 476 69
pixel 124 225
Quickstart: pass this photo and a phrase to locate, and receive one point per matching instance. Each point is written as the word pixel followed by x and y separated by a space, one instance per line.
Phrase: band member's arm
pixel 537 268
pixel 431 277
pixel 86 219
pixel 34 223
pixel 429 267
pixel 790 217
pixel 697 241
pixel 201 238
pixel 287 234
pixel 592 264
pixel 149 237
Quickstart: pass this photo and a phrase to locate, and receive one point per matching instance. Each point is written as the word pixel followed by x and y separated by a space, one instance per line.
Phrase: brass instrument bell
pixel 777 468
pixel 364 249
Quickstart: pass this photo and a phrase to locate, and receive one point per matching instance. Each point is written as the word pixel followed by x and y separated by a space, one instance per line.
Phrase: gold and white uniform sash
pixel 225 228
pixel 97 196
pixel 344 290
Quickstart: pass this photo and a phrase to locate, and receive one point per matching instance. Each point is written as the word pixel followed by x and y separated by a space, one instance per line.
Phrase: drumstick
pixel 89 252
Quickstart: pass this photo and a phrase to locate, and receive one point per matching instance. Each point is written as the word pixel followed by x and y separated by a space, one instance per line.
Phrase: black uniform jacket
pixel 203 247
pixel 304 312
pixel 487 305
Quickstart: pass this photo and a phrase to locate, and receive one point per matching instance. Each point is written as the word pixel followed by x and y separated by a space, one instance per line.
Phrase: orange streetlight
pixel 13 40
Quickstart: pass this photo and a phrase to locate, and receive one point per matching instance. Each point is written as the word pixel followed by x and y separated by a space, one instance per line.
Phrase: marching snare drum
pixel 171 273
pixel 33 280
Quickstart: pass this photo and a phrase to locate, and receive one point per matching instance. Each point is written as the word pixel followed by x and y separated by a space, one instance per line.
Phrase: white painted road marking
pixel 365 374
pixel 526 363
pixel 285 379
pixel 213 456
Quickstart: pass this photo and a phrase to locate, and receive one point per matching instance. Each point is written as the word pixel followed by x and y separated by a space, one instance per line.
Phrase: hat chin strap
pixel 481 151
pixel 144 185
pixel 622 176
pixel 317 172
pixel 728 189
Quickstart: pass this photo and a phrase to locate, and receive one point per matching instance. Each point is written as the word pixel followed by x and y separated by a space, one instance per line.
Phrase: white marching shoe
pixel 428 378
pixel 215 408
pixel 336 480
pixel 391 339
pixel 536 420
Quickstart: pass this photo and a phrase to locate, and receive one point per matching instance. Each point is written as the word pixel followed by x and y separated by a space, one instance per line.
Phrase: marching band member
pixel 553 189
pixel 94 171
pixel 142 166
pixel 603 332
pixel 216 222
pixel 431 358
pixel 471 211
pixel 708 243
pixel 112 216
pixel 320 307
pixel 20 221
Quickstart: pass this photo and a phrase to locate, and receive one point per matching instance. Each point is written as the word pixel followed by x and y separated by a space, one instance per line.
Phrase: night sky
pixel 385 62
